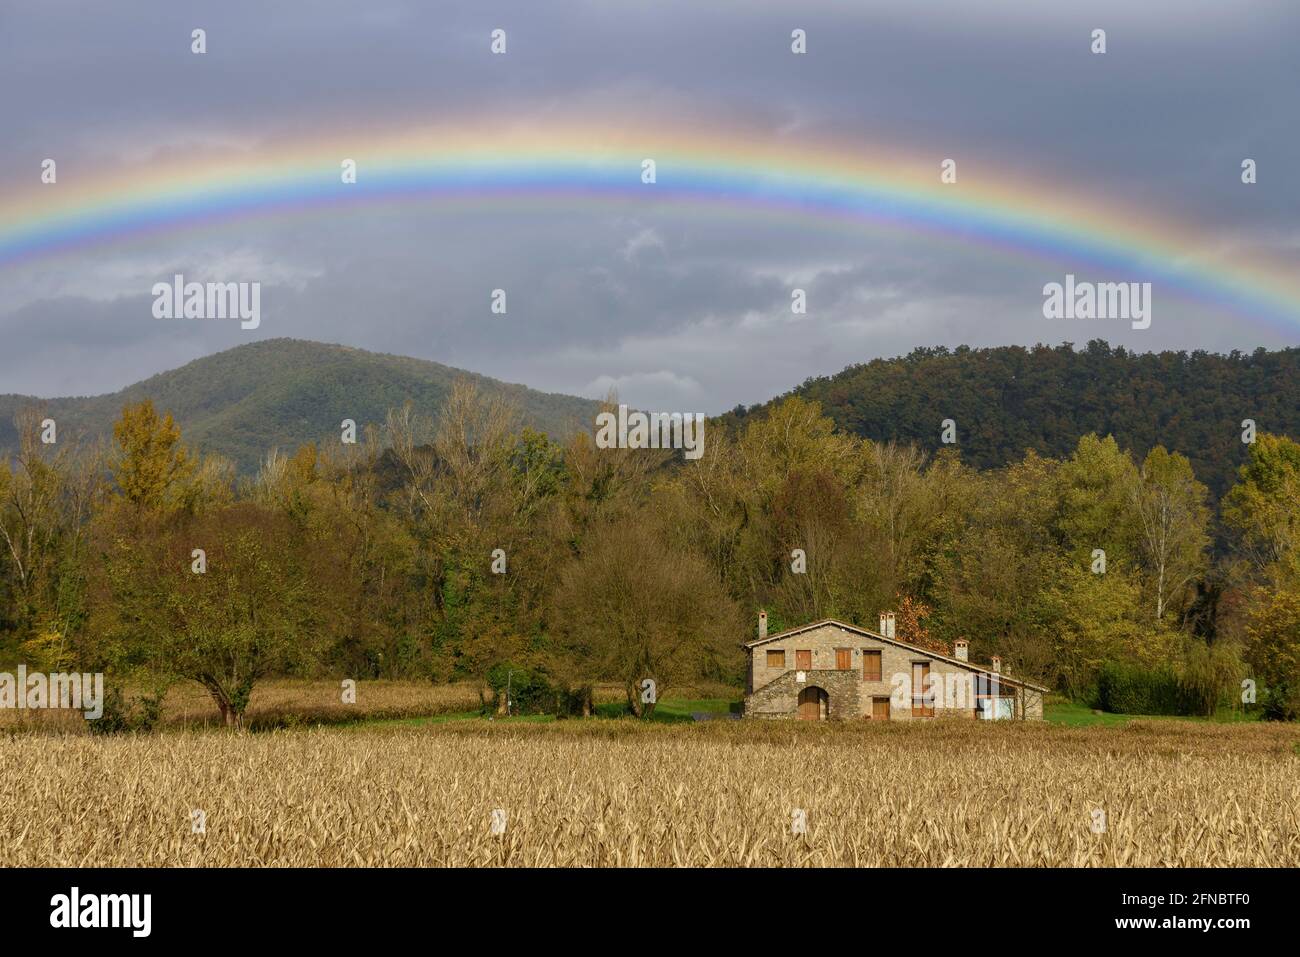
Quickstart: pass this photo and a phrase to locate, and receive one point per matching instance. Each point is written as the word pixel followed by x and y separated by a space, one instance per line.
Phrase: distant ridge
pixel 281 393
pixel 1008 399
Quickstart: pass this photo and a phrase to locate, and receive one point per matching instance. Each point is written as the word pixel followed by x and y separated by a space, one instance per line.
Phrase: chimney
pixel 997 665
pixel 960 649
pixel 887 624
pixel 762 625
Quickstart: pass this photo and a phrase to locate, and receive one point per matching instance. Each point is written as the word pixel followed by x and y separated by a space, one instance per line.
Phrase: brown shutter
pixel 870 666
pixel 844 659
pixel 922 703
pixel 803 660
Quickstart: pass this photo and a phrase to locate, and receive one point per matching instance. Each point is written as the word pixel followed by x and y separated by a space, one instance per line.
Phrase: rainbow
pixel 570 164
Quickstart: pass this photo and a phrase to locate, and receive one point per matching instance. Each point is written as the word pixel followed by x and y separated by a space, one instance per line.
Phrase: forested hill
pixel 1009 399
pixel 281 393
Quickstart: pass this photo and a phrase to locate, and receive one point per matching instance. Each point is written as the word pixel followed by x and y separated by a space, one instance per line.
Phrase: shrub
pixel 529 690
pixel 1209 675
pixel 122 716
pixel 1133 689
pixel 1198 688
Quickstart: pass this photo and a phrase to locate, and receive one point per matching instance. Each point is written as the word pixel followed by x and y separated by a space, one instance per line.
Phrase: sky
pixel 674 305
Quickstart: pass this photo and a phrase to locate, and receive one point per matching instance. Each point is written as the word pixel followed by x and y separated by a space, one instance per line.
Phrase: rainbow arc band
pixel 595 164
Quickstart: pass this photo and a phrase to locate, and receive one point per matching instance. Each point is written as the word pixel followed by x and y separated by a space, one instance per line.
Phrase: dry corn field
pixel 283 701
pixel 295 703
pixel 600 793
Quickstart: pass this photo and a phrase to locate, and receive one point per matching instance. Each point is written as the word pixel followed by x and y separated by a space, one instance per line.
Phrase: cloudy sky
pixel 675 307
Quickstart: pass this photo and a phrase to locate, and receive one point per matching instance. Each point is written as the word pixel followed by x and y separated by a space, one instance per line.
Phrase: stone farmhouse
pixel 832 671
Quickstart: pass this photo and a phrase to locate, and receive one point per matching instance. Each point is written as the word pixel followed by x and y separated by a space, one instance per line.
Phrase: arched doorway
pixel 814 704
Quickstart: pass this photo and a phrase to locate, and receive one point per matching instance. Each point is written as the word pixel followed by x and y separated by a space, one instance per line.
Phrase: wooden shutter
pixel 803 660
pixel 870 666
pixel 844 659
pixel 922 703
pixel 776 659
pixel 880 709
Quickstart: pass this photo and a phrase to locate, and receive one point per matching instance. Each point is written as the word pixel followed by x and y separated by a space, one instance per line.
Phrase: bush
pixel 1135 689
pixel 1210 675
pixel 121 716
pixel 530 691
pixel 574 702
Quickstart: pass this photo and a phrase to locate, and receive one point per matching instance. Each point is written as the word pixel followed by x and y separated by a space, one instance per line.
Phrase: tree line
pixel 1010 398
pixel 461 546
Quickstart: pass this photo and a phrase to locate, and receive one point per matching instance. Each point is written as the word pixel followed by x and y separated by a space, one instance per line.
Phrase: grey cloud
pixel 697 315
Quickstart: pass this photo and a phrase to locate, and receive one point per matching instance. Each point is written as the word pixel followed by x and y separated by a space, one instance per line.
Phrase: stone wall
pixel 775 688
pixel 780 698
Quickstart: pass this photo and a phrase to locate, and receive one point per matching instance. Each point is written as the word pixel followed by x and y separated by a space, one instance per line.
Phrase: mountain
pixel 1009 399
pixel 1004 400
pixel 280 393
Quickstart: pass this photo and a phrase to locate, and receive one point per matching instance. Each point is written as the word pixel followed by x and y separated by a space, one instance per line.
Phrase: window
pixel 870 665
pixel 995 709
pixel 844 659
pixel 803 660
pixel 776 659
pixel 880 709
pixel 922 697
pixel 994 700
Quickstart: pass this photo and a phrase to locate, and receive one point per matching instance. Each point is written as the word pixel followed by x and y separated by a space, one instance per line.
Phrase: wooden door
pixel 810 704
pixel 803 660
pixel 880 709
pixel 922 700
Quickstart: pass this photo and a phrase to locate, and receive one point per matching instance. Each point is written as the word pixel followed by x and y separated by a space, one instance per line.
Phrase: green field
pixel 1071 714
pixel 1074 714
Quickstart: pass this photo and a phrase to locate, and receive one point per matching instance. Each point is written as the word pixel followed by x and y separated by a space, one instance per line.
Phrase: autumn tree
pixel 1094 489
pixel 332 497
pixel 224 599
pixel 1264 507
pixel 1171 508
pixel 47 493
pixel 1273 651
pixel 151 467
pixel 629 609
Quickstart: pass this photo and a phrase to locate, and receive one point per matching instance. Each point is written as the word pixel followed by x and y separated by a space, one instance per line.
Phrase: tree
pixel 1273 651
pixel 911 512
pixel 630 610
pixel 1094 506
pixel 990 581
pixel 810 512
pixel 332 497
pixel 1264 507
pixel 152 467
pixel 912 626
pixel 46 496
pixel 1170 505
pixel 1091 619
pixel 250 610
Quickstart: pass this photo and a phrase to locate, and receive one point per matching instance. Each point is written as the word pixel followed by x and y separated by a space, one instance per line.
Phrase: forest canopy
pixel 461 544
